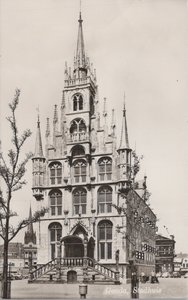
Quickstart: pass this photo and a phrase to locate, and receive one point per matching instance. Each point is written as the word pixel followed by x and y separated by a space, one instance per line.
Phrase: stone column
pixel 58 268
pixel 85 262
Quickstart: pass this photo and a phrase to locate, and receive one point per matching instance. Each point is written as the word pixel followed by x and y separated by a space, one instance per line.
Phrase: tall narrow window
pixel 79 171
pixel 79 201
pixel 77 102
pixel 55 203
pixel 105 168
pixel 92 107
pixel 105 200
pixel 105 240
pixel 55 230
pixel 55 173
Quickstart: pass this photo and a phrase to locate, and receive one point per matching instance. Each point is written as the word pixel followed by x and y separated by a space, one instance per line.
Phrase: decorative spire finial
pixel 124 141
pixel 38 144
pixel 47 127
pixel 124 109
pixel 55 113
pixel 104 110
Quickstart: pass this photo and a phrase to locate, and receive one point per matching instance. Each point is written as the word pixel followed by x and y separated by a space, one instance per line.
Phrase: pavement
pixel 167 288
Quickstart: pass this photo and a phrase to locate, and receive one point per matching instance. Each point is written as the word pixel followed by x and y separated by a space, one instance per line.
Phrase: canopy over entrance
pixel 73 246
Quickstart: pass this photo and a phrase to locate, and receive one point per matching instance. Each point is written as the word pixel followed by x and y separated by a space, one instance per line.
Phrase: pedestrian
pixel 153 277
pixel 142 277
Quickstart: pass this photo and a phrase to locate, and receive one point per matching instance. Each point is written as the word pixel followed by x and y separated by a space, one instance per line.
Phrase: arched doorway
pixel 73 246
pixel 71 276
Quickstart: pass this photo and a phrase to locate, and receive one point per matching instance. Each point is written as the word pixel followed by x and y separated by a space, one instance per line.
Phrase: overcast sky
pixel 139 47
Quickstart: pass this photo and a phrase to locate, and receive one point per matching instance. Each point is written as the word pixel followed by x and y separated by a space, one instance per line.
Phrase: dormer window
pixel 77 102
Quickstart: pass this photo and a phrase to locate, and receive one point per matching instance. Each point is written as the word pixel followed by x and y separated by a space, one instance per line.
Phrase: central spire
pixel 80 58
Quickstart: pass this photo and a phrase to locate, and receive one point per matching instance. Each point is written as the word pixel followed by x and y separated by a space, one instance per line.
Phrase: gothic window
pixel 78 150
pixel 92 108
pixel 105 240
pixel 55 173
pixel 79 201
pixel 77 125
pixel 105 168
pixel 78 130
pixel 105 200
pixel 77 102
pixel 79 167
pixel 55 230
pixel 55 203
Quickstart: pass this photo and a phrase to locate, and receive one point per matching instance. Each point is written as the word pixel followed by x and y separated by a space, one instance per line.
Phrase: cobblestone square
pixel 167 288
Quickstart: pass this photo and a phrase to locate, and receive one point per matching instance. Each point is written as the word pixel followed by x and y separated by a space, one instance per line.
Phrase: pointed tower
pixel 124 152
pixel 30 235
pixel 80 65
pixel 38 166
pixel 79 100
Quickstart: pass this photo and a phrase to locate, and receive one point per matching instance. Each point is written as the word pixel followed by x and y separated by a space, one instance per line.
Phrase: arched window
pixel 77 102
pixel 105 168
pixel 78 150
pixel 105 200
pixel 79 171
pixel 78 130
pixel 79 201
pixel 55 173
pixel 105 240
pixel 55 230
pixel 55 203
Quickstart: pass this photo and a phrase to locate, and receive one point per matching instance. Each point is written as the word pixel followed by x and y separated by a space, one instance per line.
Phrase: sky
pixel 138 47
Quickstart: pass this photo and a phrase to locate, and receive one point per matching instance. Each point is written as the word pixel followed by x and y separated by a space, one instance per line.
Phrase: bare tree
pixel 12 172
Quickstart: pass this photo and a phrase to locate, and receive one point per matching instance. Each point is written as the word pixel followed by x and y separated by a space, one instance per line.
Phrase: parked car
pixel 176 275
pixel 186 275
pixel 18 276
pixel 165 275
pixel 15 276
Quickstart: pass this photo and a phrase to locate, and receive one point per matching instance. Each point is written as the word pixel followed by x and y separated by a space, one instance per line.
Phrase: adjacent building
pixel 30 246
pixel 15 257
pixel 86 179
pixel 184 266
pixel 165 253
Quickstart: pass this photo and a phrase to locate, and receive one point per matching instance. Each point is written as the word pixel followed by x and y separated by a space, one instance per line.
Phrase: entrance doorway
pixel 73 246
pixel 71 276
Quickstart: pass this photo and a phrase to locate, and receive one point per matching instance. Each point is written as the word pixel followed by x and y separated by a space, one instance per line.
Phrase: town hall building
pixel 85 177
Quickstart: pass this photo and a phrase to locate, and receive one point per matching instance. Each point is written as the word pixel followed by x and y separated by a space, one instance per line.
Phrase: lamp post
pixel 134 280
pixel 30 258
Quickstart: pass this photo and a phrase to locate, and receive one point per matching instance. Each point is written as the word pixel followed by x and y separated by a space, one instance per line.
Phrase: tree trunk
pixel 5 263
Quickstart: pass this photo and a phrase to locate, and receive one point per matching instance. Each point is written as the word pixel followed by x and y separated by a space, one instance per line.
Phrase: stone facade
pixel 165 254
pixel 86 180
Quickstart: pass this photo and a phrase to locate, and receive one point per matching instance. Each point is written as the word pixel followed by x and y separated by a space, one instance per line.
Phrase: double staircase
pixel 85 268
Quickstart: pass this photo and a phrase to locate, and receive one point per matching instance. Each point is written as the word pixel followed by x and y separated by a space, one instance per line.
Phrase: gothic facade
pixel 85 179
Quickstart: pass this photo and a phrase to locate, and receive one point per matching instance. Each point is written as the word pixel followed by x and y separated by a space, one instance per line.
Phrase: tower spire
pixel 124 141
pixel 80 58
pixel 30 235
pixel 30 226
pixel 38 144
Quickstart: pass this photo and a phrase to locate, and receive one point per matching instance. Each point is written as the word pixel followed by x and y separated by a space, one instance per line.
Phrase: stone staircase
pixel 85 269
